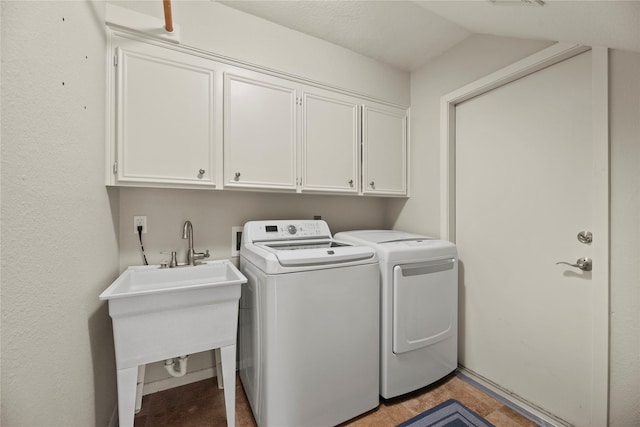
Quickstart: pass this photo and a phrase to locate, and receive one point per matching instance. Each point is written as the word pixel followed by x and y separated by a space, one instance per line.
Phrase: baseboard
pixel 518 404
pixel 167 383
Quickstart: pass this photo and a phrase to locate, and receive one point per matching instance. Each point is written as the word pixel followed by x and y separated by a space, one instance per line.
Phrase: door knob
pixel 584 264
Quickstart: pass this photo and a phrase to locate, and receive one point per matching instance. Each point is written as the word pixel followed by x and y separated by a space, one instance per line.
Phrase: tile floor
pixel 202 404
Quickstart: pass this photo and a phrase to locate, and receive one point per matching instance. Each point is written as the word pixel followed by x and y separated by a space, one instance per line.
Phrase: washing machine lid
pixel 382 236
pixel 290 254
pixel 294 245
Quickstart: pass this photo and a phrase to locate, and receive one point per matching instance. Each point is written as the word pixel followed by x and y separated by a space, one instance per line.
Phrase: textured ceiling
pixel 614 24
pixel 407 34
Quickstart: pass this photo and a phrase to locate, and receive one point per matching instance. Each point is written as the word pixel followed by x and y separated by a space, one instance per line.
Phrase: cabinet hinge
pixel 115 167
pixel 115 60
pixel 299 101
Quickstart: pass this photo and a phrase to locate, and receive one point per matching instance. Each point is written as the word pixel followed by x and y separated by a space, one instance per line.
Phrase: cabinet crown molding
pixel 120 17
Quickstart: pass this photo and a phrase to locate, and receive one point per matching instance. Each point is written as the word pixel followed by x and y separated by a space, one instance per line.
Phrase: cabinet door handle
pixel 351 183
pixel 372 184
pixel 237 176
pixel 201 171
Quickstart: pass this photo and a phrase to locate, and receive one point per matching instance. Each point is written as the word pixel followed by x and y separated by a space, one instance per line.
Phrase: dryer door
pixel 424 303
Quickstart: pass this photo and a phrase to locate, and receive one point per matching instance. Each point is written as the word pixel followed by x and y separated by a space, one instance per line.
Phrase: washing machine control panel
pixel 286 230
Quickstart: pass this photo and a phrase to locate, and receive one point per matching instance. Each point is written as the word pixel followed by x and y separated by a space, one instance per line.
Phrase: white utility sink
pixel 151 279
pixel 161 313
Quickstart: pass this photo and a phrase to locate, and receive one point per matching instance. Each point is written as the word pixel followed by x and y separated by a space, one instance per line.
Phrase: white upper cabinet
pixel 330 142
pixel 384 145
pixel 259 132
pixel 184 118
pixel 283 135
pixel 163 118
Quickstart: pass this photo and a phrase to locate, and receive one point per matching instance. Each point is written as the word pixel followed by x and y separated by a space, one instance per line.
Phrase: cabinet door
pixel 165 117
pixel 330 142
pixel 384 144
pixel 259 132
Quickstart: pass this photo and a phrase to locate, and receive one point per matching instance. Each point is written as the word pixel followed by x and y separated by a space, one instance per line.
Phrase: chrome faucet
pixel 192 255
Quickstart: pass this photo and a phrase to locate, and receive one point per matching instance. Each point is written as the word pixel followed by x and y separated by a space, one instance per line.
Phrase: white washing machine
pixel 308 325
pixel 419 307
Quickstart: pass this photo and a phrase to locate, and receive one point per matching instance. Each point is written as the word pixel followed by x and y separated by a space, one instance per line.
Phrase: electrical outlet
pixel 140 220
pixel 236 240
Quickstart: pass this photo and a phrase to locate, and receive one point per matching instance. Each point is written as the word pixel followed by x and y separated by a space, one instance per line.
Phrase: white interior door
pixel 523 191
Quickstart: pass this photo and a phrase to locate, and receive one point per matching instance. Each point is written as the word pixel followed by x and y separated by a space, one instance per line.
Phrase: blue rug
pixel 447 414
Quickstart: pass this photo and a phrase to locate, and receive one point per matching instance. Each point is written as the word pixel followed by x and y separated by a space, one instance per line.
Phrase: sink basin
pixel 159 314
pixel 148 280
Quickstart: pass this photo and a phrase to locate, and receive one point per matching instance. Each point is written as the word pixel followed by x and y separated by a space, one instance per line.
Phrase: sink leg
pixel 229 377
pixel 219 369
pixel 127 395
pixel 139 387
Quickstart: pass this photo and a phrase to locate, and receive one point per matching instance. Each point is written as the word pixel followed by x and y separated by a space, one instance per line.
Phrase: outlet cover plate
pixel 236 240
pixel 140 220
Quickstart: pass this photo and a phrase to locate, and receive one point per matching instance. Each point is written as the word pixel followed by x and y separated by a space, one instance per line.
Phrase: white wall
pixel 469 60
pixel 624 112
pixel 224 31
pixel 217 28
pixel 60 225
pixel 213 213
pixel 59 222
pixel 481 55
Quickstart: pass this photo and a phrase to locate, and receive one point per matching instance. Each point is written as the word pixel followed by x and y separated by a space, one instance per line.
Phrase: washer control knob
pixel 292 229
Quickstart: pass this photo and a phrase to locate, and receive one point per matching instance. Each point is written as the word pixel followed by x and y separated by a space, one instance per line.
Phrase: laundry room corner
pixel 472 58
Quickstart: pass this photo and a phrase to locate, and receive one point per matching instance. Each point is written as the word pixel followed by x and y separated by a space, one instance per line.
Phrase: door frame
pixel 600 188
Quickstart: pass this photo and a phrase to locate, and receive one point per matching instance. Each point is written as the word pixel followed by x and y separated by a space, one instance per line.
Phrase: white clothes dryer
pixel 309 325
pixel 419 307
